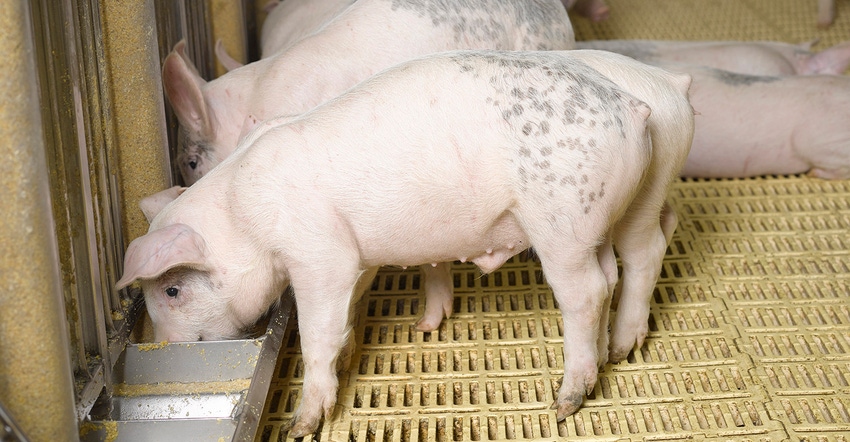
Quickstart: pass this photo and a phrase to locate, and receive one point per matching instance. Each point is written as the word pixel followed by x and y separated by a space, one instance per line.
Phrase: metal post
pixel 35 376
pixel 130 41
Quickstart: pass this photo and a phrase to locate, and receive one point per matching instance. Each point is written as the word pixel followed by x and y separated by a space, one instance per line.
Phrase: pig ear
pixel 180 49
pixel 182 86
pixel 831 61
pixel 152 205
pixel 267 8
pixel 224 58
pixel 153 254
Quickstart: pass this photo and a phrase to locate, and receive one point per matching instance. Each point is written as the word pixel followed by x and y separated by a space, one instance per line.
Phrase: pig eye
pixel 172 292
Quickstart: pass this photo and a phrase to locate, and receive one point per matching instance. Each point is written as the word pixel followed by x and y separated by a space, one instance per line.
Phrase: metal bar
pixel 35 378
pixel 9 430
pixel 135 89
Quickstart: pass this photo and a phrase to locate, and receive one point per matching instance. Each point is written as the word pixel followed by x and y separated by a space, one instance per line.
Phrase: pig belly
pixel 486 239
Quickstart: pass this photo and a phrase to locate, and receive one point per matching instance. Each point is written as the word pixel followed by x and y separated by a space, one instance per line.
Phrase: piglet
pixel 364 39
pixel 753 58
pixel 470 155
pixel 826 13
pixel 293 20
pixel 759 125
pixel 595 10
pixel 286 24
pixel 640 239
pixel 153 204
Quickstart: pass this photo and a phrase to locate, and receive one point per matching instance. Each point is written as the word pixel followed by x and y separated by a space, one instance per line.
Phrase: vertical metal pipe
pixel 135 87
pixel 35 375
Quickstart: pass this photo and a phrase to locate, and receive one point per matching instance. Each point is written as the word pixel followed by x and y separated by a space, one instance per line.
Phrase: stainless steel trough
pixel 211 390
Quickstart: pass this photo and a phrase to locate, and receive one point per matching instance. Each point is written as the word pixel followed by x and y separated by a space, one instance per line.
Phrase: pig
pixel 672 129
pixel 768 125
pixel 826 13
pixel 470 155
pixel 153 204
pixel 639 238
pixel 752 58
pixel 595 10
pixel 229 63
pixel 295 19
pixel 365 38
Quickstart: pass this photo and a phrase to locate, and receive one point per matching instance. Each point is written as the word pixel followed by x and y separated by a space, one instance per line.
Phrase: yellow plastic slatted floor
pixel 750 322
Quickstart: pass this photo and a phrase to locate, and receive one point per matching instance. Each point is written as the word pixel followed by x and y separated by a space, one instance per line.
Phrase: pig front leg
pixel 439 289
pixel 323 323
pixel 343 362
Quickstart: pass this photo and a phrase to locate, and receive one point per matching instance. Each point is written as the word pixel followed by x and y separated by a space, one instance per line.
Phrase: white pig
pixel 293 20
pixel 595 10
pixel 286 24
pixel 641 241
pixel 366 38
pixel 753 58
pixel 826 13
pixel 471 155
pixel 758 125
pixel 672 127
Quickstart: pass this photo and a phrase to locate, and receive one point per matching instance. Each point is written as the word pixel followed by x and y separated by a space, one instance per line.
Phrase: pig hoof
pixel 426 324
pixel 302 429
pixel 618 354
pixel 567 407
pixel 431 321
pixel 621 347
pixel 603 360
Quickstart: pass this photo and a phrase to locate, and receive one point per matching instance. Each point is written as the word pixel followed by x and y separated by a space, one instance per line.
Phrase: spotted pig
pixel 470 155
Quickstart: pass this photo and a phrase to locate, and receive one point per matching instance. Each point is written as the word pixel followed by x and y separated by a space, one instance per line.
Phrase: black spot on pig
pixel 736 79
pixel 566 108
pixel 644 50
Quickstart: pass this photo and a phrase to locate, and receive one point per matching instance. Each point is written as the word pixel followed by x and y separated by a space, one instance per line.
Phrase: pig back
pixel 450 143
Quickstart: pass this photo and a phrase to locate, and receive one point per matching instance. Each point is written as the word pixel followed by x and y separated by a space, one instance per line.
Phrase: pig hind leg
pixel 608 263
pixel 641 242
pixel 439 290
pixel 571 264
